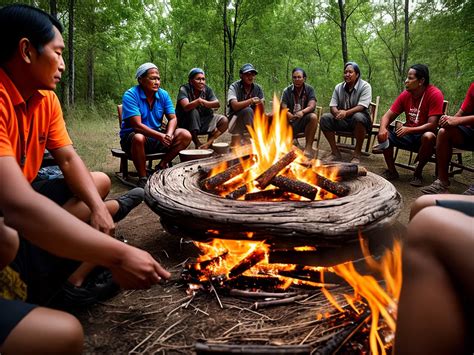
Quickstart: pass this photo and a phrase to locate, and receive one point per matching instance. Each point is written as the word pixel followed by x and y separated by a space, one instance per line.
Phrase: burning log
pixel 333 187
pixel 246 263
pixel 218 179
pixel 234 195
pixel 288 300
pixel 342 172
pixel 297 187
pixel 255 282
pixel 265 195
pixel 264 179
pixel 206 348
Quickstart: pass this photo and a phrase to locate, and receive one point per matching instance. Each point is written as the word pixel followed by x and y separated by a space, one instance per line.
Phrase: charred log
pixel 342 172
pixel 265 195
pixel 207 348
pixel 246 263
pixel 212 182
pixel 264 179
pixel 294 186
pixel 234 195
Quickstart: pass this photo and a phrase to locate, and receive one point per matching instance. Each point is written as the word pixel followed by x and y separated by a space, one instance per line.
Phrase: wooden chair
pixel 412 159
pixel 317 138
pixel 123 174
pixel 373 109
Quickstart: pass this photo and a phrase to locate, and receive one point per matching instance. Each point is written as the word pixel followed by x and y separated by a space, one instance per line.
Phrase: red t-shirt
pixel 468 104
pixel 417 110
pixel 27 129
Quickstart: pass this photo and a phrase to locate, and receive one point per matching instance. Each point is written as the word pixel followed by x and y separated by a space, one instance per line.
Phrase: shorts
pixel 56 190
pixel 151 145
pixel 240 120
pixel 330 124
pixel 410 142
pixel 468 138
pixel 299 125
pixel 12 312
pixel 466 207
pixel 194 122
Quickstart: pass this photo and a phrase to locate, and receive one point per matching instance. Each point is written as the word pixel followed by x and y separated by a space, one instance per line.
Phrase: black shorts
pixel 468 137
pixel 466 207
pixel 409 142
pixel 151 145
pixel 55 189
pixel 12 312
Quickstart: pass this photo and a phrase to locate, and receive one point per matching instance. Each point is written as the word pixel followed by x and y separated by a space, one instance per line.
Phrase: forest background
pixel 106 40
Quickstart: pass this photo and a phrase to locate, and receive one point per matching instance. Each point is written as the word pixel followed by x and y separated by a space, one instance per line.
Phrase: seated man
pixel 31 64
pixel 31 120
pixel 456 131
pixel 422 104
pixel 143 132
pixel 194 109
pixel 437 262
pixel 349 112
pixel 300 100
pixel 243 98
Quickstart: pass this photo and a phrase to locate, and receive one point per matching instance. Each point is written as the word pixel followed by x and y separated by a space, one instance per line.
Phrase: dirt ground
pixel 164 319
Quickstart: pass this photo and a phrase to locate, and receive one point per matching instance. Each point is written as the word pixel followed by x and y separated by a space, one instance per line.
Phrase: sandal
pixel 437 187
pixel 416 181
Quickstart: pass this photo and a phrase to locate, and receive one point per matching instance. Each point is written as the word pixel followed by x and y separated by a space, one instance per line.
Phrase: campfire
pixel 274 225
pixel 276 170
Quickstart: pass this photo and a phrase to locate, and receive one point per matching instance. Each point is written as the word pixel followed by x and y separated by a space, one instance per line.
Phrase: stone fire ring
pixel 186 210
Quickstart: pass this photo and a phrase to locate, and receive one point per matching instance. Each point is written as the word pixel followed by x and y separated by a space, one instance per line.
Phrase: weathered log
pixel 185 209
pixel 294 186
pixel 341 171
pixel 265 195
pixel 264 179
pixel 220 348
pixel 246 263
pixel 212 182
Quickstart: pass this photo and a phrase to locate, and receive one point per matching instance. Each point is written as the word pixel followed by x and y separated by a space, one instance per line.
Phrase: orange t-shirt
pixel 26 129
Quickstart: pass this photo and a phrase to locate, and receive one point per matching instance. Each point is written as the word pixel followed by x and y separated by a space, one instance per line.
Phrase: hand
pixel 341 114
pixel 138 270
pixel 448 121
pixel 256 100
pixel 382 136
pixel 298 114
pixel 402 131
pixel 167 140
pixel 200 101
pixel 102 220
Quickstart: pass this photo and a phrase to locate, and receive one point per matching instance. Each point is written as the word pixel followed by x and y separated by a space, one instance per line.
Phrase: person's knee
pixel 102 183
pixel 428 138
pixel 183 136
pixel 138 139
pixel 71 334
pixel 420 203
pixel 312 118
pixel 246 113
pixel 223 124
pixel 326 123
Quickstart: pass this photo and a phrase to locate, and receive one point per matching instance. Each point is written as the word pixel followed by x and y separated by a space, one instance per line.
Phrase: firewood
pixel 212 182
pixel 342 171
pixel 255 282
pixel 333 187
pixel 234 195
pixel 288 300
pixel 220 348
pixel 265 195
pixel 264 179
pixel 246 263
pixel 294 186
pixel 260 294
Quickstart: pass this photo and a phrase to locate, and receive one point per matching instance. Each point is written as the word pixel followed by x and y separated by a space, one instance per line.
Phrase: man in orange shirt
pixel 31 65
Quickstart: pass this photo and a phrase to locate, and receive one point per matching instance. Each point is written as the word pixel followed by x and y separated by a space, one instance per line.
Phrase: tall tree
pixel 70 92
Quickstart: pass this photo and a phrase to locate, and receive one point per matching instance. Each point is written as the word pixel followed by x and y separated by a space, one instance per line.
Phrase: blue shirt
pixel 134 103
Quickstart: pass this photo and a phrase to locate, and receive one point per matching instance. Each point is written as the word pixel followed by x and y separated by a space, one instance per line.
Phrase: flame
pixel 272 138
pixel 382 303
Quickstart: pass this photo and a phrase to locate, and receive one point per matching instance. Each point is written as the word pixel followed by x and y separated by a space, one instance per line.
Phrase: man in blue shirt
pixel 143 132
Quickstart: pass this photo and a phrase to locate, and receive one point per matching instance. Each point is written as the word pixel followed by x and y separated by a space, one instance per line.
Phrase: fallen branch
pixel 205 348
pixel 260 294
pixel 265 304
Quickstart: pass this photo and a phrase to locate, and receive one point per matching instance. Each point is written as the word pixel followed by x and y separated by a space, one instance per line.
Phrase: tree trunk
pixel 90 75
pixel 225 29
pixel 343 26
pixel 406 42
pixel 53 8
pixel 70 45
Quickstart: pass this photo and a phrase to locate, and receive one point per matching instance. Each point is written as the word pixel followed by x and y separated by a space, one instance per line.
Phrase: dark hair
pixel 354 65
pixel 299 69
pixel 421 72
pixel 24 21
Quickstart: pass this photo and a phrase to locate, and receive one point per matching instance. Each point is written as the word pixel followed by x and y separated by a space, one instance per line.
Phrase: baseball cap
pixel 247 68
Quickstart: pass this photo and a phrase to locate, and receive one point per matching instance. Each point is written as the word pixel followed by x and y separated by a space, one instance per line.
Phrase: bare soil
pixel 164 319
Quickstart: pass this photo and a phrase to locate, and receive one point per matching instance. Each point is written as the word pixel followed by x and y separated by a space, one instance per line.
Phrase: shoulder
pixel 434 91
pixel 133 92
pixel 364 84
pixel 163 93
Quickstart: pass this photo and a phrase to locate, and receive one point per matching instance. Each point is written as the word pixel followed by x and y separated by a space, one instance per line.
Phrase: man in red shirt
pixel 455 131
pixel 423 105
pixel 48 215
